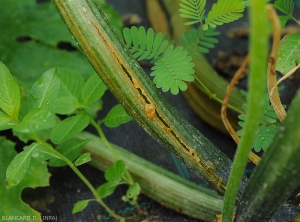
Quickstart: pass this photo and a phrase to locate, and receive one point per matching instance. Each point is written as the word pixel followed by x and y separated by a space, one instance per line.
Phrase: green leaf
pixel 37 176
pixel 93 90
pixel 266 129
pixel 18 167
pixel 283 20
pixel 71 85
pixel 70 149
pixel 116 116
pixel 41 52
pixel 144 45
pixel 84 158
pixel 171 72
pixel 68 128
pixel 285 6
pixel 36 120
pixel 9 93
pixel 40 152
pixel 224 11
pixel 172 66
pixel 25 137
pixel 94 108
pixel 80 205
pixel 115 172
pixel 107 189
pixel 64 106
pixel 264 137
pixel 6 122
pixel 192 9
pixel 199 41
pixel 133 191
pixel 289 53
pixel 45 90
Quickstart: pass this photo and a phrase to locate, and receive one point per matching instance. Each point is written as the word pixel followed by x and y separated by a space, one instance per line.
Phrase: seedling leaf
pixel 115 172
pixel 68 128
pixel 44 91
pixel 70 149
pixel 289 53
pixel 93 90
pixel 107 189
pixel 133 191
pixel 9 93
pixel 116 116
pixel 80 205
pixel 84 158
pixel 36 120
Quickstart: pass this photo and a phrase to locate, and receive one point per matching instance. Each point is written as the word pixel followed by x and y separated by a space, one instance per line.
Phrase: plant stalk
pixel 168 189
pixel 272 78
pixel 257 86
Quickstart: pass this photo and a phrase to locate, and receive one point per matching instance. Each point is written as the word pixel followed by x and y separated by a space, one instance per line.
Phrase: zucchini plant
pixel 115 62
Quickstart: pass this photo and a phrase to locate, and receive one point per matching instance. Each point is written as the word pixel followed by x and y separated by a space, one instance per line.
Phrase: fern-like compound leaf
pixel 173 70
pixel 197 41
pixel 144 45
pixel 266 129
pixel 192 9
pixel 224 11
pixel 172 66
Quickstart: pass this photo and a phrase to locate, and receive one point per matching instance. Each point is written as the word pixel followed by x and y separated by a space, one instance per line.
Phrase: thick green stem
pixel 157 183
pixel 135 91
pixel 257 86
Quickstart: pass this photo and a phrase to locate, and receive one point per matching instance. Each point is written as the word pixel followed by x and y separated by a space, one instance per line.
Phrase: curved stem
pixel 253 157
pixel 272 81
pixel 291 72
pixel 200 85
pixel 78 173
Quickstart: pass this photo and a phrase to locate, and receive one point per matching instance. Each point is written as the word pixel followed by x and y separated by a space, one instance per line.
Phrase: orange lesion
pixel 150 111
